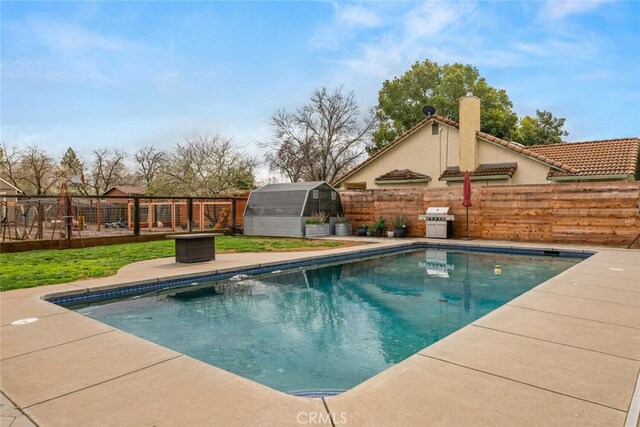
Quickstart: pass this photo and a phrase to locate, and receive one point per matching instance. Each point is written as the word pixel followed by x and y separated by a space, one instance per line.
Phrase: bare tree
pixel 9 162
pixel 107 170
pixel 37 171
pixel 321 140
pixel 207 166
pixel 150 164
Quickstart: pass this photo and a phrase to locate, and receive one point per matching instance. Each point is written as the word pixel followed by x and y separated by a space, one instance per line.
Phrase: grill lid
pixel 437 211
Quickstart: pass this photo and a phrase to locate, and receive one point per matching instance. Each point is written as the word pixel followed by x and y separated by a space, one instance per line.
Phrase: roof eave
pixel 390 146
pixel 12 186
pixel 622 176
pixel 400 181
pixel 477 177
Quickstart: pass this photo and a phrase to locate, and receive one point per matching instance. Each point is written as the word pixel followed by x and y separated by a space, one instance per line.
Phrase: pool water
pixel 333 326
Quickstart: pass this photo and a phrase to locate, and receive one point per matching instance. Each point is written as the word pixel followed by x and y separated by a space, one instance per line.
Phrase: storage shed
pixel 282 209
pixel 8 201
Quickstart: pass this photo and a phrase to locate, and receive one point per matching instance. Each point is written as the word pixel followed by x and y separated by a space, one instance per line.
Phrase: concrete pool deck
pixel 565 353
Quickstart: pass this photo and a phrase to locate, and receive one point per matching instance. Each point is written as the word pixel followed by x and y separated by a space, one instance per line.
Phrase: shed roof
pixel 290 186
pixel 11 185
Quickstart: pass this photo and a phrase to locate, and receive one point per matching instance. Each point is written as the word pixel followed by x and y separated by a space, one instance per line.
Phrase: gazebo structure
pixel 282 209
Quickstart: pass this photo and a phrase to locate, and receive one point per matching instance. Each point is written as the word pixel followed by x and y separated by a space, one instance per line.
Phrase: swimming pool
pixel 330 326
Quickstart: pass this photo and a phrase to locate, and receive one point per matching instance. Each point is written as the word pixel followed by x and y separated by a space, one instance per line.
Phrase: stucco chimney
pixel 469 125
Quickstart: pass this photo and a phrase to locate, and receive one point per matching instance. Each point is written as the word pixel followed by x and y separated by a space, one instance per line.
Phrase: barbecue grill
pixel 439 223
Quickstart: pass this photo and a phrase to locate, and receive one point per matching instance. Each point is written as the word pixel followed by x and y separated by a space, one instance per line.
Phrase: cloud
pixel 459 32
pixel 435 19
pixel 356 16
pixel 558 9
pixel 64 52
pixel 348 20
pixel 68 38
pixel 424 30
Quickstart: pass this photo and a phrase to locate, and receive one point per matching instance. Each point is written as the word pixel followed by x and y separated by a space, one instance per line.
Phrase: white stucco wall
pixel 430 154
pixel 421 152
pixel 529 171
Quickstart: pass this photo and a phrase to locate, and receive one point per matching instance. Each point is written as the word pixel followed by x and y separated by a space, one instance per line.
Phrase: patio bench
pixel 195 247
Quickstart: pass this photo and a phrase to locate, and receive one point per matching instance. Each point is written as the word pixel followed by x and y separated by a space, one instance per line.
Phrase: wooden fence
pixel 595 213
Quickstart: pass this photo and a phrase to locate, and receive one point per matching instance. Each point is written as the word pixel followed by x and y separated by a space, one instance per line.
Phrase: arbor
pixel 542 129
pixel 320 140
pixel 207 166
pixel 400 100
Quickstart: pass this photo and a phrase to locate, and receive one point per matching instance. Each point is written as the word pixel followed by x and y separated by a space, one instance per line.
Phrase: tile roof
pixel 487 169
pixel 526 151
pixel 594 158
pixel 589 158
pixel 433 117
pixel 403 175
pixel 129 190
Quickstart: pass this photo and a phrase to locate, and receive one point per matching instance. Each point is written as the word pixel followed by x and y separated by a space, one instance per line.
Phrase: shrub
pixel 319 218
pixel 399 222
pixel 379 225
pixel 342 220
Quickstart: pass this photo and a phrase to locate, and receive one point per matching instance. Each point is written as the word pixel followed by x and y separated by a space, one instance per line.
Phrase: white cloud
pixel 356 16
pixel 64 52
pixel 459 32
pixel 435 19
pixel 66 37
pixel 425 30
pixel 558 9
pixel 347 21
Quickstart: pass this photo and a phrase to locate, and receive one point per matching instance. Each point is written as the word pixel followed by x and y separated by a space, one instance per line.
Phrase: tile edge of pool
pixel 70 298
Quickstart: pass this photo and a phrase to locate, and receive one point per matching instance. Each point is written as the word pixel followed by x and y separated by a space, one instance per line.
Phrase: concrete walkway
pixel 565 353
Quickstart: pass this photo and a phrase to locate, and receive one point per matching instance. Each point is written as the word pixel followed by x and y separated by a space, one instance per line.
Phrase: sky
pixel 128 74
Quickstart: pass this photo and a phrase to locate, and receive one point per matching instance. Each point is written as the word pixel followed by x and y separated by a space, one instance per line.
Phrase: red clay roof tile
pixel 487 169
pixel 403 175
pixel 594 158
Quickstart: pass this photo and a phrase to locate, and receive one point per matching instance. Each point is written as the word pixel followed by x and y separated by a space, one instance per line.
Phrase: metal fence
pixel 54 217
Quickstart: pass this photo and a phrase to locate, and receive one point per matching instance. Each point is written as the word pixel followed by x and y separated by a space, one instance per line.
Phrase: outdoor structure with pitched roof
pixel 121 193
pixel 7 202
pixel 437 151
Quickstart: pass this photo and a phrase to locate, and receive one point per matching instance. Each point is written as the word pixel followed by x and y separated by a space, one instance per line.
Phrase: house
pixel 436 152
pixel 8 203
pixel 122 193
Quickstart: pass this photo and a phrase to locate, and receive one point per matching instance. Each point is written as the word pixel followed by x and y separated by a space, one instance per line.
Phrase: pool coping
pixel 71 298
pixel 371 402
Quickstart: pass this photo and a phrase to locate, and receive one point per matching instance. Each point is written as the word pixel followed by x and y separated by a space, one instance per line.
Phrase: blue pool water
pixel 333 326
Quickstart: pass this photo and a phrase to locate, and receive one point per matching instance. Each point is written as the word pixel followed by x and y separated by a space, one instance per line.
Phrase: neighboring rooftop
pixel 129 190
pixel 594 158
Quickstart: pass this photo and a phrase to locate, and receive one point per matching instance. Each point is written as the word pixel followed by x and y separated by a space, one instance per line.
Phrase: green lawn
pixel 48 267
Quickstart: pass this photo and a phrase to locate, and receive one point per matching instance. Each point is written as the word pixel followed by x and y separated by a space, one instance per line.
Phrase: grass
pixel 49 267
